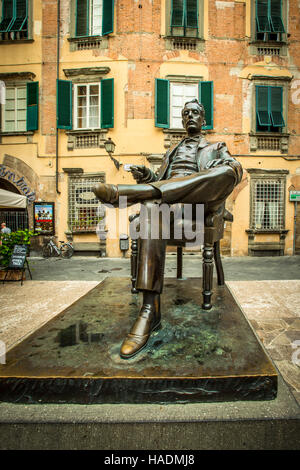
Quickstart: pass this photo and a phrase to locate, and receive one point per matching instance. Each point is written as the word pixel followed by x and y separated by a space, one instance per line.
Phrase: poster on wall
pixel 44 218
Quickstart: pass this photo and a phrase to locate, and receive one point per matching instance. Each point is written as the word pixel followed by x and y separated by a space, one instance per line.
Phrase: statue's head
pixel 193 116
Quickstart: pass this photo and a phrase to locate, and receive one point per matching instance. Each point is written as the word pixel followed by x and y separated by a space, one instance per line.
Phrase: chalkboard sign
pixel 18 257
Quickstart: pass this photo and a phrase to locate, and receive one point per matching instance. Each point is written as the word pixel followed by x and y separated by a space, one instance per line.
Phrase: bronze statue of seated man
pixel 193 172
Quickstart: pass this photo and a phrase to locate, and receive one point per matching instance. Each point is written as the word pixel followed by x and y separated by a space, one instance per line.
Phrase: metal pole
pixel 295 227
pixel 57 76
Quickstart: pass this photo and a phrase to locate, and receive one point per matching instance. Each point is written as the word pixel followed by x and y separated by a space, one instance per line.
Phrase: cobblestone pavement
pixel 96 269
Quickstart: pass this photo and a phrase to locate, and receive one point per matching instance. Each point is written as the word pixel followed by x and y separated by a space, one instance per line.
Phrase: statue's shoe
pixel 147 321
pixel 106 193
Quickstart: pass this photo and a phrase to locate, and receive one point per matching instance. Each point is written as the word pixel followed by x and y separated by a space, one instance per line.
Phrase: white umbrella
pixel 12 200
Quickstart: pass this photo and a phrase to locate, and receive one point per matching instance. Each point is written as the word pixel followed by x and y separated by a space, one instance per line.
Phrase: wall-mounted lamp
pixel 110 148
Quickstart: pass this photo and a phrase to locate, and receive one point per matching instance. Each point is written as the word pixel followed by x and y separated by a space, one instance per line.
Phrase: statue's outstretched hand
pixel 139 172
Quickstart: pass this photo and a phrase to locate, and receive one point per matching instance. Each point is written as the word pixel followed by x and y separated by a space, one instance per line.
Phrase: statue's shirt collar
pixel 199 139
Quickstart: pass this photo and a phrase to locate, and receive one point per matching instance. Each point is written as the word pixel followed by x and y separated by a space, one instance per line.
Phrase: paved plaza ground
pixel 267 289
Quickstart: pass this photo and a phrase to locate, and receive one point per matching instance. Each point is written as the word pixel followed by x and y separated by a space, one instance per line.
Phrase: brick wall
pixel 49 55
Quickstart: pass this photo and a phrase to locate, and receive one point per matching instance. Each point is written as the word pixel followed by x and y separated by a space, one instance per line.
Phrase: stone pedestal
pixel 197 356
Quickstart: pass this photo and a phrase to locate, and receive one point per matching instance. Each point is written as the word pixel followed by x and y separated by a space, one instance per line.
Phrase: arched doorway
pixel 15 219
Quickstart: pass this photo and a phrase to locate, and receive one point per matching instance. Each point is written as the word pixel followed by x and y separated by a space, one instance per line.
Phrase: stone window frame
pixel 256 137
pixel 83 43
pixel 255 247
pixel 86 138
pixel 78 174
pixel 30 21
pixel 15 79
pixel 270 48
pixel 182 42
pixel 257 174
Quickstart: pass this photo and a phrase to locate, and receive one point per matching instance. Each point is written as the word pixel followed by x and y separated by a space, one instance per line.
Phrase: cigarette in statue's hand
pixel 127 167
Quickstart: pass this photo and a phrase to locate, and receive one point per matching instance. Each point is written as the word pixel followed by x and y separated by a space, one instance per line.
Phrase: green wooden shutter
pixel 262 105
pixel 206 97
pixel 262 16
pixel 32 114
pixel 7 15
pixel 64 104
pixel 108 17
pixel 192 14
pixel 82 18
pixel 20 15
pixel 276 17
pixel 177 13
pixel 162 103
pixel 276 106
pixel 107 103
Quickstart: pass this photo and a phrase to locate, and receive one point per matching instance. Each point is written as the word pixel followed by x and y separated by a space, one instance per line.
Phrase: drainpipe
pixel 57 76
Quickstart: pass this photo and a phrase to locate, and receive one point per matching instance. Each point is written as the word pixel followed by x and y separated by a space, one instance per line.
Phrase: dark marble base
pixel 196 356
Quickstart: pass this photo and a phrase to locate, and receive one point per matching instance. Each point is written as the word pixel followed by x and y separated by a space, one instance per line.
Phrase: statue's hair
pixel 200 106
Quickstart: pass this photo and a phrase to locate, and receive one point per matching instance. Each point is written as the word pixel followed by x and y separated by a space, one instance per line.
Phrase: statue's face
pixel 192 118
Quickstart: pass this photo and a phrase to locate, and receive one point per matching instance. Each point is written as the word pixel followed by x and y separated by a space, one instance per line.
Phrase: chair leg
pixel 218 263
pixel 133 262
pixel 207 275
pixel 179 262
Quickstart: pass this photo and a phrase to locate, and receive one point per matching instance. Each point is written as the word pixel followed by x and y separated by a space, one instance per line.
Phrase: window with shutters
pixel 91 22
pixel 171 94
pixel 269 27
pixel 184 24
pixel 15 21
pixel 20 111
pixel 14 118
pixel 184 18
pixel 85 107
pixel 269 115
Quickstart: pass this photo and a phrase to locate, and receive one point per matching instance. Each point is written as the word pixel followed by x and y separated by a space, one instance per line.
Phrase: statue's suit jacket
pixel 205 153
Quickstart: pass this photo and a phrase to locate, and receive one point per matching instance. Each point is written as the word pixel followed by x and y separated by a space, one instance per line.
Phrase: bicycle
pixel 65 250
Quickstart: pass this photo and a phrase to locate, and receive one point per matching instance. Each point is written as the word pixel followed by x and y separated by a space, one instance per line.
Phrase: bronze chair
pixel 213 233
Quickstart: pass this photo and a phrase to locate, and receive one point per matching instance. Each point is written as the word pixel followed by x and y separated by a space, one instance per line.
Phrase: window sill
pixel 254 231
pixel 269 141
pixel 13 133
pixel 88 42
pixel 184 43
pixel 263 247
pixel 86 138
pixel 270 48
pixel 16 41
pixel 84 230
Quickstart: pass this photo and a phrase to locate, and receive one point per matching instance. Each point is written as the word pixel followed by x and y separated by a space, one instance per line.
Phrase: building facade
pixel 75 73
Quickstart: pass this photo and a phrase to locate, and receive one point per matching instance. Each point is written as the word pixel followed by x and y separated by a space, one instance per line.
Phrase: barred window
pixel 267 204
pixel 85 211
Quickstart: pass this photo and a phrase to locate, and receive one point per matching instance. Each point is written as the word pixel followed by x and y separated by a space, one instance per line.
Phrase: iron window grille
pixel 86 213
pixel 267 203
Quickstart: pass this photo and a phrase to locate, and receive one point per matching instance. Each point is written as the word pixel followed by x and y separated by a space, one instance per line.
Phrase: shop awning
pixel 9 200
